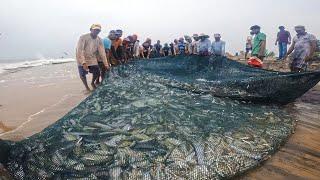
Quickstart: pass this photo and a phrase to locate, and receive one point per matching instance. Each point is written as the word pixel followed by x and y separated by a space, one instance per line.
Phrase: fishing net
pixel 160 119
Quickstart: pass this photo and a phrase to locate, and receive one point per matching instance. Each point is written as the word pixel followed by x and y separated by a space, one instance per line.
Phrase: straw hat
pixel 95 26
pixel 204 35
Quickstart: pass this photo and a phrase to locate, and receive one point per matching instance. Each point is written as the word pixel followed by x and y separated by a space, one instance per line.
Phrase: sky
pixel 36 29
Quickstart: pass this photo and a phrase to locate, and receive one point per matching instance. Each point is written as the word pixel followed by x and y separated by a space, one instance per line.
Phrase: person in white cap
pixel 89 49
pixel 188 44
pixel 218 46
pixel 204 46
pixel 195 44
pixel 303 48
pixel 248 47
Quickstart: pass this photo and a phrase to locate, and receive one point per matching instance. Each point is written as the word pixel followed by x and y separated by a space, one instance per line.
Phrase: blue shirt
pixel 181 47
pixel 106 43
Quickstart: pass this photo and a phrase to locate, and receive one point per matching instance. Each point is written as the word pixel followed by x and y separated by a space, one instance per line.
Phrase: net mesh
pixel 158 119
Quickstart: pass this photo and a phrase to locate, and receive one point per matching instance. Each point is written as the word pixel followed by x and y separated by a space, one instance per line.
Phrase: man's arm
pixel 290 50
pixel 223 50
pixel 80 53
pixel 289 37
pixel 312 50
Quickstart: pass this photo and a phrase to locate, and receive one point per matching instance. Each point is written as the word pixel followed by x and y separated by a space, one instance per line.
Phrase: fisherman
pixel 283 39
pixel 146 48
pixel 195 44
pixel 204 46
pixel 303 48
pixel 89 49
pixel 218 46
pixel 119 49
pixel 114 59
pixel 107 46
pixel 172 50
pixel 166 50
pixel 136 51
pixel 126 49
pixel 259 42
pixel 248 46
pixel 188 44
pixel 175 45
pixel 158 49
pixel 181 46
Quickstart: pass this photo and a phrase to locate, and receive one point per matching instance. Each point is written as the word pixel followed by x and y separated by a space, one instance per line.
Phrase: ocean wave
pixel 11 67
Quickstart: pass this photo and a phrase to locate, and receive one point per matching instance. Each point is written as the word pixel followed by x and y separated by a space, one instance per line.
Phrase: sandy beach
pixel 32 99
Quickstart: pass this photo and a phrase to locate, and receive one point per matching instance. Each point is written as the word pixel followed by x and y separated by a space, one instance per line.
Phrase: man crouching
pixel 89 50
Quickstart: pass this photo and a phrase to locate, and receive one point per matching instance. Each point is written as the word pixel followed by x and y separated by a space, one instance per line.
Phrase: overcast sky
pixel 47 28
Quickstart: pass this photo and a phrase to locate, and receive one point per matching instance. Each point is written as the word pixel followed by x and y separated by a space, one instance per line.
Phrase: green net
pixel 162 119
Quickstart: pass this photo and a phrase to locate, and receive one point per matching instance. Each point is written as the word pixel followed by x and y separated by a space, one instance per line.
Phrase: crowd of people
pixel 96 55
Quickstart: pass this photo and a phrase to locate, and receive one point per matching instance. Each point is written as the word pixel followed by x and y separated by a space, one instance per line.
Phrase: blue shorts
pixel 92 69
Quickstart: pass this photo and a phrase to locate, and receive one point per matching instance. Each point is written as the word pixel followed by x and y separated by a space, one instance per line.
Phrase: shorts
pixel 102 67
pixel 248 49
pixel 92 69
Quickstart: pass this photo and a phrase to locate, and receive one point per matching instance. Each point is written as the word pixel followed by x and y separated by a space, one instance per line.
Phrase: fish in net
pixel 168 118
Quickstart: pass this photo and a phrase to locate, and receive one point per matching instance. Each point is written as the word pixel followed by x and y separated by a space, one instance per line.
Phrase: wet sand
pixel 28 104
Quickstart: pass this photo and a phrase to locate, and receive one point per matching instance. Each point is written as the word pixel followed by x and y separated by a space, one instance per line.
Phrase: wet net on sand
pixel 157 120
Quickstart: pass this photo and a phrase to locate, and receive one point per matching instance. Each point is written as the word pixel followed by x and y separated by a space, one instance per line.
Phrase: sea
pixel 11 66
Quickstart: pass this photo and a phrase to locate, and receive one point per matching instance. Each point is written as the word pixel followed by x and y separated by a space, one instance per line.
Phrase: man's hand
pixel 85 66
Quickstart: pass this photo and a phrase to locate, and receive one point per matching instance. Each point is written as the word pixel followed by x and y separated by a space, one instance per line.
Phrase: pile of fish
pixel 138 126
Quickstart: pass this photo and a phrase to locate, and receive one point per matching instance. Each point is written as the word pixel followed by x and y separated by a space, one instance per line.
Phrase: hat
pixel 204 35
pixel 255 27
pixel 299 27
pixel 217 35
pixel 118 31
pixel 281 27
pixel 187 37
pixel 195 35
pixel 95 26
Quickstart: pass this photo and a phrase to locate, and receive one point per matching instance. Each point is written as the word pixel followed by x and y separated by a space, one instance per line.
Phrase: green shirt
pixel 257 43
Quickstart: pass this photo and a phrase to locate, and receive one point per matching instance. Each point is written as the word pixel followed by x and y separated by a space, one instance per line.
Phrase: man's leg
pixel 95 74
pixel 82 74
pixel 280 51
pixel 85 83
pixel 102 72
pixel 284 49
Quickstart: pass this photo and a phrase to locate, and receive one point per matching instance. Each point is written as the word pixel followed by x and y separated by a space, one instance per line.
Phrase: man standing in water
pixel 259 42
pixel 283 39
pixel 303 48
pixel 204 45
pixel 89 49
pixel 218 46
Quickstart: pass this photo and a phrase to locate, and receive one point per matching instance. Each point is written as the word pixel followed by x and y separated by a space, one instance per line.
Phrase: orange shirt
pixel 116 43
